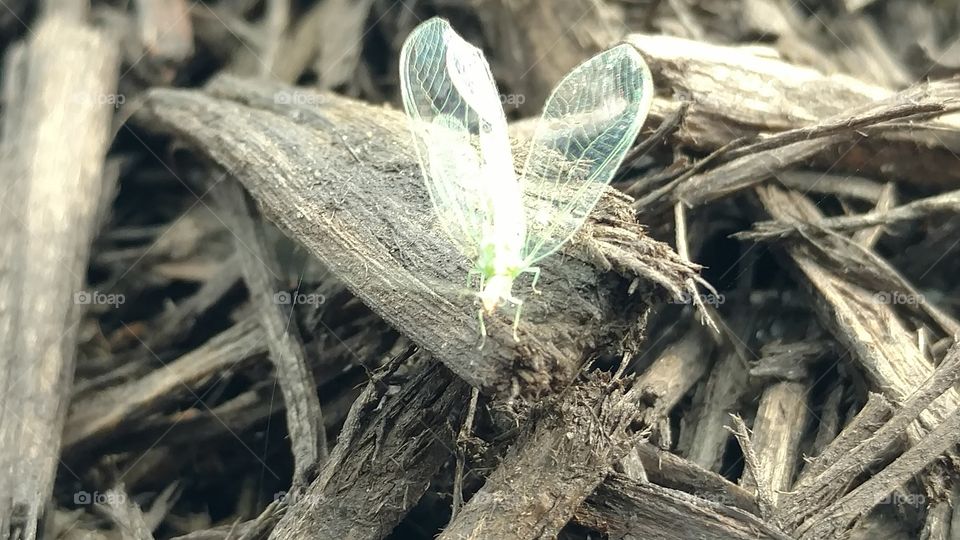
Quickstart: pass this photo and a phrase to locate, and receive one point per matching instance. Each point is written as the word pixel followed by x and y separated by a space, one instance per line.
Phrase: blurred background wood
pixel 801 158
pixel 55 141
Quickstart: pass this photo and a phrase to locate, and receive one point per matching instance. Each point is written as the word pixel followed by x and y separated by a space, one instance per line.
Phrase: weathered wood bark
pixel 335 57
pixel 127 515
pixel 568 450
pixel 627 509
pixel 11 232
pixel 738 91
pixel 165 33
pixel 742 165
pixel 308 437
pixel 176 387
pixel 943 204
pixel 390 446
pixel 58 141
pixel 777 431
pixel 540 46
pixel 96 419
pixel 882 344
pixel 670 377
pixel 871 417
pixel 339 176
pixel 719 398
pixel 813 496
pixel 672 471
pixel 842 514
pixel 255 529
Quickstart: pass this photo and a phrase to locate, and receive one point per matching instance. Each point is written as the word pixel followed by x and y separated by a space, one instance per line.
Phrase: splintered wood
pixel 228 310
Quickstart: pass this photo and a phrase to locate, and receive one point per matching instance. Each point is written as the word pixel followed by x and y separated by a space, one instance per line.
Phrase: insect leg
pixel 483 328
pixel 516 318
pixel 535 270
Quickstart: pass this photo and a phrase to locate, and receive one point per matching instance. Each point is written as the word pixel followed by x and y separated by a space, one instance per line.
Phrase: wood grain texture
pixel 394 440
pixel 626 509
pixel 567 449
pixel 743 91
pixel 880 340
pixel 308 438
pixel 339 176
pixel 57 149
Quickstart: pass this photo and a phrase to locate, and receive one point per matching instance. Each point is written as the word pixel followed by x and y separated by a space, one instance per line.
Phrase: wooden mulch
pixel 227 311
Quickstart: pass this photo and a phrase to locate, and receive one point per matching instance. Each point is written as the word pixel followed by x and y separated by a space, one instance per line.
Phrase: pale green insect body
pixel 505 223
pixel 500 256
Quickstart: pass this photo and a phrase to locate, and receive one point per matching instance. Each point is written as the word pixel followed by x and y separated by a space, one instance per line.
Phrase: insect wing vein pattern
pixel 588 124
pixel 460 133
pixel 503 224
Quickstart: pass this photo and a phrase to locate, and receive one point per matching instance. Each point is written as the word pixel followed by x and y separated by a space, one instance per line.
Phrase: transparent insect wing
pixel 454 181
pixel 588 124
pixel 459 130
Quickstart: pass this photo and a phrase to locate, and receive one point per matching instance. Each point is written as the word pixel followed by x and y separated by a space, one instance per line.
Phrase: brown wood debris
pixel 228 310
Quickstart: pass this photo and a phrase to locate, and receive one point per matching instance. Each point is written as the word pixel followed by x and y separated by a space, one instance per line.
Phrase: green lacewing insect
pixel 504 223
